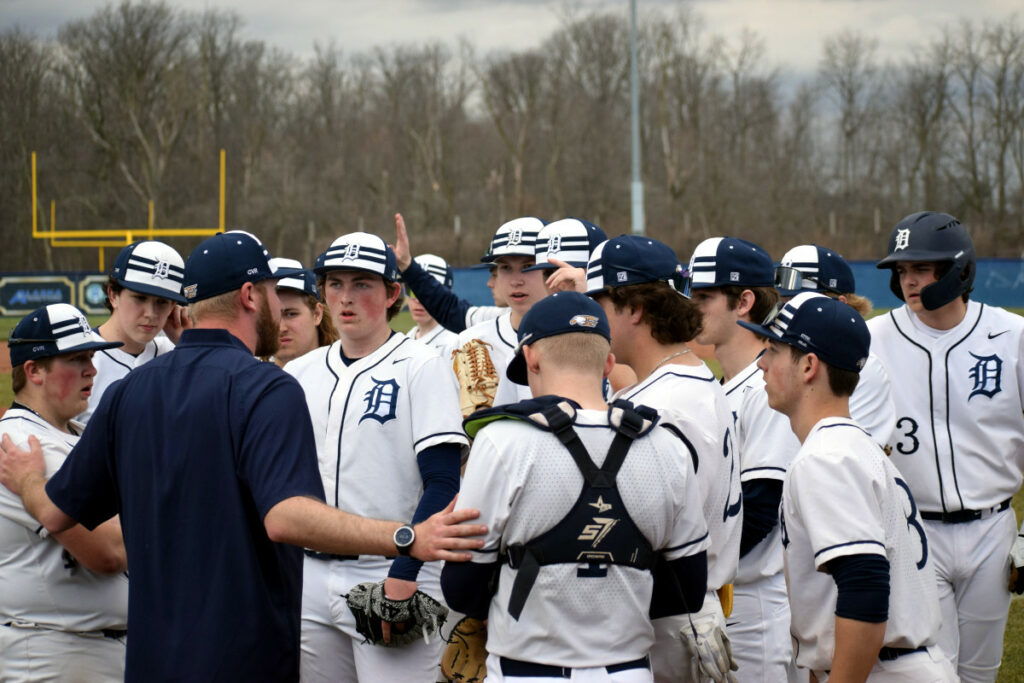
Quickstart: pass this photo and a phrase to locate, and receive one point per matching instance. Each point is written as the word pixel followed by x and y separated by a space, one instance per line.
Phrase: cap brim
pixel 481 266
pixel 153 291
pixel 540 266
pixel 759 330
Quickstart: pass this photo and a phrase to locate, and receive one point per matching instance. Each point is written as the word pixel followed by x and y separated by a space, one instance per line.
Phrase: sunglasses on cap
pixel 790 279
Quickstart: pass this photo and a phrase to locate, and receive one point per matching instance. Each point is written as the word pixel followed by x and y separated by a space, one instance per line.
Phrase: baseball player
pixel 63 597
pixel 958 382
pixel 579 497
pixel 512 251
pixel 809 267
pixel 730 280
pixel 638 282
pixel 389 444
pixel 305 324
pixel 444 305
pixel 862 591
pixel 426 329
pixel 143 290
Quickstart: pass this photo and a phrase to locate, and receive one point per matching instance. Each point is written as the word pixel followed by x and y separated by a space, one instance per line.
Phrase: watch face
pixel 404 536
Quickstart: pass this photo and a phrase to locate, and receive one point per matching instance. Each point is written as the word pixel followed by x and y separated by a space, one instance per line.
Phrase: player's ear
pixel 247 299
pixel 609 365
pixel 34 372
pixel 810 367
pixel 745 303
pixel 532 358
pixel 318 313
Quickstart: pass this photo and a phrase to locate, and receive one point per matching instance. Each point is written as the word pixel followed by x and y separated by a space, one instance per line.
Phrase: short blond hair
pixel 584 352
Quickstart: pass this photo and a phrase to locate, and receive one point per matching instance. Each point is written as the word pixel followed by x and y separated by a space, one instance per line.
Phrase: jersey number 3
pixel 911 446
pixel 912 522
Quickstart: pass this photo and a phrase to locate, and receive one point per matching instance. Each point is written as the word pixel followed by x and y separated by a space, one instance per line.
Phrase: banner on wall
pixel 22 294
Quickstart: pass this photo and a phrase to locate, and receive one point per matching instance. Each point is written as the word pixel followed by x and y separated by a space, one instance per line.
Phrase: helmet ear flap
pixel 894 284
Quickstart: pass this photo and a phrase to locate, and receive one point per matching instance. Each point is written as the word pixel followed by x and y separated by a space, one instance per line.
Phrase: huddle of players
pixel 646 547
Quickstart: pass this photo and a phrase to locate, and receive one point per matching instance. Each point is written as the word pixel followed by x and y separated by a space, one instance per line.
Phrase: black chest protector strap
pixel 598 529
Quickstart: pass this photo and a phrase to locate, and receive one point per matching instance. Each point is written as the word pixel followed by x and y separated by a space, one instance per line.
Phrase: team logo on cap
pixel 190 291
pixel 351 252
pixel 902 239
pixel 515 236
pixel 583 321
pixel 84 324
pixel 161 270
pixel 554 244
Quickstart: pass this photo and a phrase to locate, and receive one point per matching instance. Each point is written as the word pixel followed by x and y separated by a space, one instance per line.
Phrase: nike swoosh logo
pixel 993 336
pixel 396 362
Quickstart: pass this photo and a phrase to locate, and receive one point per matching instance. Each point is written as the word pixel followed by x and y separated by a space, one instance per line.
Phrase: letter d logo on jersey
pixel 987 375
pixel 381 401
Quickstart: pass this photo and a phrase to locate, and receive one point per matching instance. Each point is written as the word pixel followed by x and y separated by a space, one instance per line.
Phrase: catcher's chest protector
pixel 597 530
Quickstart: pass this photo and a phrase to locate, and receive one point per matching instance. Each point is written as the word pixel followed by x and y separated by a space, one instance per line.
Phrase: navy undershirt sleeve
pixel 761 498
pixel 468 587
pixel 863 585
pixel 441 303
pixel 679 585
pixel 439 469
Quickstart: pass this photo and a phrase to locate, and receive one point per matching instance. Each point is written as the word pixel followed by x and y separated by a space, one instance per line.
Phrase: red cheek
pixel 64 385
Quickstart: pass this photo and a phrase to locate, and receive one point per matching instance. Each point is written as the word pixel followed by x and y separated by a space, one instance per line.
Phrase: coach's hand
pixel 17 466
pixel 401 246
pixel 443 532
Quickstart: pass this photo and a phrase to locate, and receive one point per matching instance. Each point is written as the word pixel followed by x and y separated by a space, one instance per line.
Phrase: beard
pixel 267 331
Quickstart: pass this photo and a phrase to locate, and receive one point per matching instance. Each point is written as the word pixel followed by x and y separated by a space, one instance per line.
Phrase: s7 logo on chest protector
pixel 381 401
pixel 987 376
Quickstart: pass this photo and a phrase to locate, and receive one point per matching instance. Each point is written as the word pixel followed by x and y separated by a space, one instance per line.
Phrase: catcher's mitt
pixel 465 658
pixel 420 615
pixel 478 379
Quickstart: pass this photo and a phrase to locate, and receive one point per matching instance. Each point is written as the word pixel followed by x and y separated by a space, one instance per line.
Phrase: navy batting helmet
pixel 939 238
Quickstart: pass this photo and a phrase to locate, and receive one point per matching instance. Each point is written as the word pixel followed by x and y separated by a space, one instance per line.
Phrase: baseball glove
pixel 478 379
pixel 1017 566
pixel 420 615
pixel 465 658
pixel 707 645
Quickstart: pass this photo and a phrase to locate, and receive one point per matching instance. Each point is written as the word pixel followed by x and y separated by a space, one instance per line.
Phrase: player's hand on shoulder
pixel 442 534
pixel 17 465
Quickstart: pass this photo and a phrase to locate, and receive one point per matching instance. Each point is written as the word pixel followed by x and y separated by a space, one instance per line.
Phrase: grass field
pixel 1011 671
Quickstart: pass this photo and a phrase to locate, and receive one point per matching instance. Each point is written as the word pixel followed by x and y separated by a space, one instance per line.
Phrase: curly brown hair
pixel 672 317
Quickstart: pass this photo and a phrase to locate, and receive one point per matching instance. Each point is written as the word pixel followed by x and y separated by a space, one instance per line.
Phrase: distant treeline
pixel 133 104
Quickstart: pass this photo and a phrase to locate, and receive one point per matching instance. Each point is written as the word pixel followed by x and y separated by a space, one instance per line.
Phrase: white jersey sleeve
pixel 114 364
pixel 479 314
pixel 871 405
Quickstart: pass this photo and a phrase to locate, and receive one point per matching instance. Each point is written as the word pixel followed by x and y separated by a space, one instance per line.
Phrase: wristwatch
pixel 405 536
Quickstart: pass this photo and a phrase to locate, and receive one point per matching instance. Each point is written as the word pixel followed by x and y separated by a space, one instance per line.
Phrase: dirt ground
pixel 5 358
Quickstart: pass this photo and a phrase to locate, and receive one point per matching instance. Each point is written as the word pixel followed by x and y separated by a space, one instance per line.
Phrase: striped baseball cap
pixel 438 268
pixel 815 323
pixel 53 330
pixel 517 237
pixel 359 251
pixel 722 261
pixel 303 280
pixel 152 268
pixel 633 260
pixel 813 268
pixel 570 239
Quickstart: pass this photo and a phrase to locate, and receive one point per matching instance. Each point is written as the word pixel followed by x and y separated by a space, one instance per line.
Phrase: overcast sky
pixel 792 29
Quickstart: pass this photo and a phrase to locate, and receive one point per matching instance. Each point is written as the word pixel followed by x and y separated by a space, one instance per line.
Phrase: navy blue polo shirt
pixel 192 449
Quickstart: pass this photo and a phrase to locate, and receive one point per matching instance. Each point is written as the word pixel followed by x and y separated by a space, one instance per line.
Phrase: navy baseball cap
pixel 813 322
pixel 303 279
pixel 722 261
pixel 560 313
pixel 633 260
pixel 809 267
pixel 359 251
pixel 225 262
pixel 438 268
pixel 53 330
pixel 152 268
pixel 517 237
pixel 571 240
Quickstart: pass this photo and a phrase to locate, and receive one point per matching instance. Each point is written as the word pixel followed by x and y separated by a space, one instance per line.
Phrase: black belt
pixel 328 556
pixel 514 667
pixel 962 516
pixel 887 654
pixel 114 633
